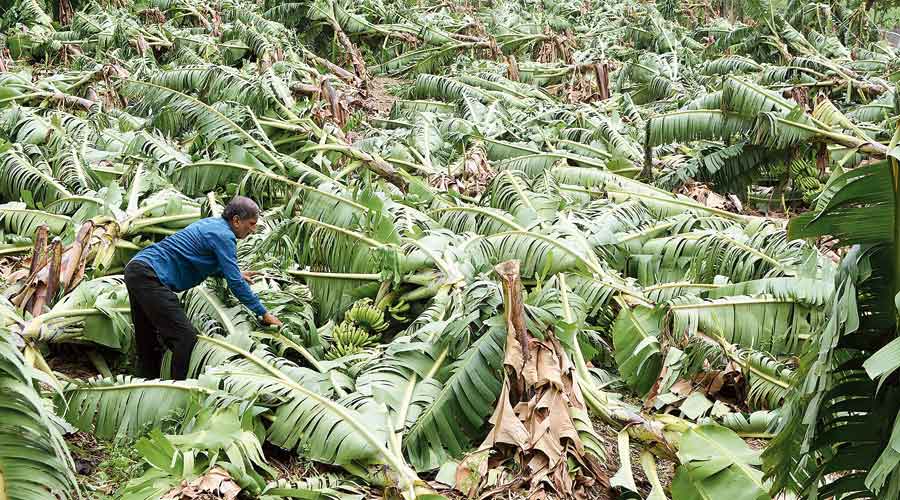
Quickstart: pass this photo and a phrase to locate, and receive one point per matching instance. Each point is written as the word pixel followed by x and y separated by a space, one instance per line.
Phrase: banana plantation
pixel 541 249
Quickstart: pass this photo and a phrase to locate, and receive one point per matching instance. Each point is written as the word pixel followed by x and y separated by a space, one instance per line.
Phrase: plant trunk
pixel 65 11
pixel 39 254
pixel 647 171
pixel 539 418
pixel 342 73
pixel 602 72
pixel 335 103
pixel 74 255
pixel 48 289
pixel 356 59
pixel 381 168
pixel 514 310
pixel 512 68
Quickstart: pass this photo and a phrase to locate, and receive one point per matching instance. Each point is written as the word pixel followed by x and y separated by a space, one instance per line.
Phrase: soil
pixel 70 361
pixel 379 101
pixel 665 468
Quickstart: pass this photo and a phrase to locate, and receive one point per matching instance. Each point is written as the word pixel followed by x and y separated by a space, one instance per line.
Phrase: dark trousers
pixel 158 317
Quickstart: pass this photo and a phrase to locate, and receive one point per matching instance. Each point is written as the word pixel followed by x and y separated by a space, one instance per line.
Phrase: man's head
pixel 241 214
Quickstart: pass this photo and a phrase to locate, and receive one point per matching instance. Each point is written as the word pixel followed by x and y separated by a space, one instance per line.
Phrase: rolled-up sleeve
pixel 226 252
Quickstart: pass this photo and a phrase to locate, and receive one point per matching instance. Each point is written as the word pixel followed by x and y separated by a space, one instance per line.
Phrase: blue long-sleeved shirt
pixel 205 248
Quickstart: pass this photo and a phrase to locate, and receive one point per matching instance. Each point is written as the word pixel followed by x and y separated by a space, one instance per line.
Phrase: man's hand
pixel 271 320
pixel 248 276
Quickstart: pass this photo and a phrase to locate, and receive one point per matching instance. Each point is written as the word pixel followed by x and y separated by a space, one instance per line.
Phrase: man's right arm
pixel 226 254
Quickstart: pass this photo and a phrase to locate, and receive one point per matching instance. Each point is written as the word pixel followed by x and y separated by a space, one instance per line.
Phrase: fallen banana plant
pixel 638 162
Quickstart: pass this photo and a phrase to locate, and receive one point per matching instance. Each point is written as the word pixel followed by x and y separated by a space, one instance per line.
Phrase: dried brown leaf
pixel 216 483
pixel 507 428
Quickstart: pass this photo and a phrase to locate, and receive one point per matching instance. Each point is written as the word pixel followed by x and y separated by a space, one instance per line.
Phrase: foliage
pixel 620 153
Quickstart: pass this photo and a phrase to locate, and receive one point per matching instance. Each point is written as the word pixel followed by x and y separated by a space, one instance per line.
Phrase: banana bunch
pixel 348 339
pixel 365 315
pixel 347 333
pixel 339 351
pixel 362 328
pixel 806 178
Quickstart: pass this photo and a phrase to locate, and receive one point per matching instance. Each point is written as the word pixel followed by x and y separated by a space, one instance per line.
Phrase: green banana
pixel 366 315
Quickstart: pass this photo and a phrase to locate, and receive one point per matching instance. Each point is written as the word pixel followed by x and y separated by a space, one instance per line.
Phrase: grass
pixel 103 467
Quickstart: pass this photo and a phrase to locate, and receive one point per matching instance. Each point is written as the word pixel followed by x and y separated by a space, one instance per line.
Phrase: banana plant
pixel 36 462
pixel 588 144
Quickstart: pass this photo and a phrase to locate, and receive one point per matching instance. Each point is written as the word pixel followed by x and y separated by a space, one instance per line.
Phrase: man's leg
pixel 163 309
pixel 147 348
pixel 180 338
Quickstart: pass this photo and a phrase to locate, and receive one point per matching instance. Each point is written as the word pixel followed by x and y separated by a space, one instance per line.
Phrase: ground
pixel 102 467
pixel 379 98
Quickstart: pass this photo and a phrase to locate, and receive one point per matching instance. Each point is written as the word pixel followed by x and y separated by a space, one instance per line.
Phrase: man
pixel 181 261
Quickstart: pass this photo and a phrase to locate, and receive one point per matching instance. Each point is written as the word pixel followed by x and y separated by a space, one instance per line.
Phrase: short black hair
pixel 241 206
